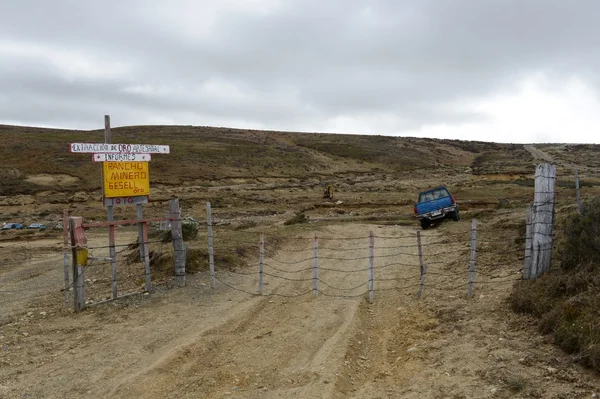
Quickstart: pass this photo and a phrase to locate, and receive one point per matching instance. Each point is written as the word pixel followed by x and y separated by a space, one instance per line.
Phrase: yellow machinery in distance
pixel 328 192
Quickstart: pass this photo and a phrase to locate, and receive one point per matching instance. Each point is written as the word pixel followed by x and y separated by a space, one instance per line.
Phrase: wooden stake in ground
pixel 371 267
pixel 420 250
pixel 473 257
pixel 177 237
pixel 143 245
pixel 211 255
pixel 261 262
pixel 542 219
pixel 579 203
pixel 66 255
pixel 79 255
pixel 112 253
pixel 422 284
pixel 316 267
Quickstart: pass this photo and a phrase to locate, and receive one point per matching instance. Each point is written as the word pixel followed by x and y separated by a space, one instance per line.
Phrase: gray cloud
pixel 297 66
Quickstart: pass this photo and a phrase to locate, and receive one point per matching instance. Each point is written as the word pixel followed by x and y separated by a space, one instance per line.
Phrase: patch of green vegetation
pixel 246 225
pixel 567 299
pixel 189 231
pixel 504 159
pixel 515 384
pixel 298 218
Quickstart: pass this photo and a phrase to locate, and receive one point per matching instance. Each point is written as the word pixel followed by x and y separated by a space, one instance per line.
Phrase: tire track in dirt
pixel 538 154
pixel 376 362
pixel 198 342
pixel 277 347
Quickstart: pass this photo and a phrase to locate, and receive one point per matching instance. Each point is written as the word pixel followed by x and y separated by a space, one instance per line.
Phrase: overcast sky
pixel 494 70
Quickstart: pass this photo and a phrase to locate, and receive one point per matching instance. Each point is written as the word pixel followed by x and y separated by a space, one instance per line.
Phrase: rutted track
pixel 197 342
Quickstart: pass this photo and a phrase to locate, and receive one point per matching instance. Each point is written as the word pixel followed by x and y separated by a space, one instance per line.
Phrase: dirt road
pixel 197 342
pixel 536 153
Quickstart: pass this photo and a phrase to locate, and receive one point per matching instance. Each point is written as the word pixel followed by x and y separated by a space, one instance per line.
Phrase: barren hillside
pixel 230 341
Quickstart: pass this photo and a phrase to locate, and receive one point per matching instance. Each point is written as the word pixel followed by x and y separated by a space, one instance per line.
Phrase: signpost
pixel 141 199
pixel 125 181
pixel 107 148
pixel 121 157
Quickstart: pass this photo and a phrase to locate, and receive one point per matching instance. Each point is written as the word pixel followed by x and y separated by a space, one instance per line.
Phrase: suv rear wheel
pixel 455 216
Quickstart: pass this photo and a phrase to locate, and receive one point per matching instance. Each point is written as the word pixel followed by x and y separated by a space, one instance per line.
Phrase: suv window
pixel 433 195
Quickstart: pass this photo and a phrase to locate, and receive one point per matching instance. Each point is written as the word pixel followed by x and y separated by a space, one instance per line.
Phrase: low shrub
pixel 567 298
pixel 300 217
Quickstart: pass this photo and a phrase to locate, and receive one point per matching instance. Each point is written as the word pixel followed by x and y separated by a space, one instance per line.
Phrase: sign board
pixel 140 199
pixel 119 148
pixel 125 179
pixel 121 157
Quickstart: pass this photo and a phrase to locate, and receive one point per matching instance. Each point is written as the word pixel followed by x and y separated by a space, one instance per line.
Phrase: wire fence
pixel 346 266
pixel 312 265
pixel 298 265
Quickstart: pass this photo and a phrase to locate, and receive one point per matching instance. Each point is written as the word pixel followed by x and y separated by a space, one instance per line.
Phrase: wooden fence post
pixel 211 255
pixel 422 284
pixel 527 260
pixel 579 203
pixel 177 237
pixel 112 253
pixel 66 255
pixel 142 245
pixel 79 255
pixel 316 267
pixel 420 250
pixel 473 257
pixel 542 219
pixel 261 262
pixel 371 267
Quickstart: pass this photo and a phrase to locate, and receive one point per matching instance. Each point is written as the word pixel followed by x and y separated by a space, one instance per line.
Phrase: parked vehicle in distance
pixel 37 226
pixel 435 204
pixel 9 226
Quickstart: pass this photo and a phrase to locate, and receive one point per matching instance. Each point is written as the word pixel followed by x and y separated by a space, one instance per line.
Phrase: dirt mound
pixel 47 179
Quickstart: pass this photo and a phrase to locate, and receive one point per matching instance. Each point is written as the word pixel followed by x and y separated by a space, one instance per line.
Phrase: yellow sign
pixel 125 179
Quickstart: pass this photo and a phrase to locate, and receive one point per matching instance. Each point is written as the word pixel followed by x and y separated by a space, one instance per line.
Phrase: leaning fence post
pixel 261 262
pixel 211 255
pixel 473 256
pixel 79 254
pixel 66 254
pixel 579 203
pixel 316 267
pixel 371 267
pixel 177 237
pixel 422 284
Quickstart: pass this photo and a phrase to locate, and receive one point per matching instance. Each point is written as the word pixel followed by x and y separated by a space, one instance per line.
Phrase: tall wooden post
pixel 78 244
pixel 211 254
pixel 316 267
pixel 420 250
pixel 261 262
pixel 110 216
pixel 542 219
pixel 527 260
pixel 473 257
pixel 371 267
pixel 177 237
pixel 422 283
pixel 579 203
pixel 142 245
pixel 66 255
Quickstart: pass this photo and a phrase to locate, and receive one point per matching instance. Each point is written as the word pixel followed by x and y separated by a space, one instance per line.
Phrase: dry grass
pixel 567 299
